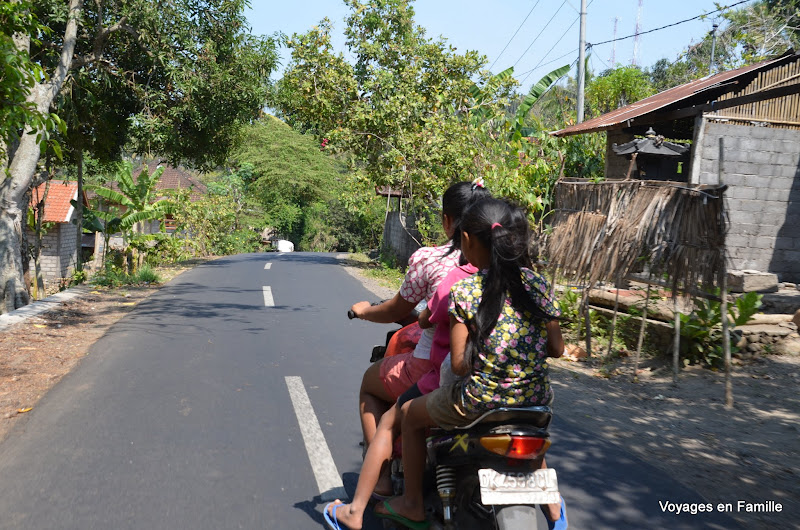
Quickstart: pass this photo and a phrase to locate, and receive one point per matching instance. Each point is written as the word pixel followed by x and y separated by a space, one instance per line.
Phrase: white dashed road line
pixel 267 266
pixel 268 301
pixel 328 479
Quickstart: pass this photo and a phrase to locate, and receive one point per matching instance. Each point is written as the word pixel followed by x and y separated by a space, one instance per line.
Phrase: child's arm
pixel 555 342
pixel 424 319
pixel 459 334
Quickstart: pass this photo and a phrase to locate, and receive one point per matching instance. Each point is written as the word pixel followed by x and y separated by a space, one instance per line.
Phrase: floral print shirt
pixel 510 370
pixel 426 268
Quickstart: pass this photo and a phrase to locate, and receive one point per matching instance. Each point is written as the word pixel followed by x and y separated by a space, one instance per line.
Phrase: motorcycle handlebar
pixel 350 314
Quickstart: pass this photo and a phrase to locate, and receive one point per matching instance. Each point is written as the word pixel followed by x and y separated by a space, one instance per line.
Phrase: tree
pixel 394 109
pixel 618 87
pixel 190 73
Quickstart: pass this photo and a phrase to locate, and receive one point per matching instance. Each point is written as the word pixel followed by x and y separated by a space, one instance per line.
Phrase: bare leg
pixel 415 420
pixel 551 511
pixel 373 401
pixel 378 454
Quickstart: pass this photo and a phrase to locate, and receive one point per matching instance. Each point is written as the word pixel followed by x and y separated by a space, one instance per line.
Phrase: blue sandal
pixel 333 524
pixel 561 524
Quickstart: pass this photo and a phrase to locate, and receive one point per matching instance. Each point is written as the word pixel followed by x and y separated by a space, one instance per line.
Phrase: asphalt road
pixel 184 415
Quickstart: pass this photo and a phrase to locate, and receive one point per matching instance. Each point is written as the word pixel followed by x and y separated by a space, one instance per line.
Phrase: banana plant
pixel 135 199
pixel 518 128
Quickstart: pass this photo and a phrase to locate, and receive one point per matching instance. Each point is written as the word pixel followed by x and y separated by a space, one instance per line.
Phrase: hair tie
pixel 478 183
pixel 495 225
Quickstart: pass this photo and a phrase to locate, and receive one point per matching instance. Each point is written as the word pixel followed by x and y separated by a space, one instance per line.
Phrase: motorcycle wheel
pixel 515 516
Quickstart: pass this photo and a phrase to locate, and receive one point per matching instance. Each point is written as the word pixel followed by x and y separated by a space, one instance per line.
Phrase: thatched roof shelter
pixel 602 230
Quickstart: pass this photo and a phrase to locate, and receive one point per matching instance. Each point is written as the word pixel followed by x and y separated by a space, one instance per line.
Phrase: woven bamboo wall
pixel 782 112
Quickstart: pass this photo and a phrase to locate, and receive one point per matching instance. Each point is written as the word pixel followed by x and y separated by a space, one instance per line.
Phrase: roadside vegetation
pixel 300 158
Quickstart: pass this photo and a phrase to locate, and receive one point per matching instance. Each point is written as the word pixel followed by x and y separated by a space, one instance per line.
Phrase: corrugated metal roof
pixel 713 86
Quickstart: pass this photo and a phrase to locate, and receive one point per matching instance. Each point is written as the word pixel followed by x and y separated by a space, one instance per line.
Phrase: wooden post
pixel 587 321
pixel 677 342
pixel 641 337
pixel 614 318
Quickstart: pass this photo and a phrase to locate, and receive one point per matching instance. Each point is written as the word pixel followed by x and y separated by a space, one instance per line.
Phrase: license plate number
pixel 506 487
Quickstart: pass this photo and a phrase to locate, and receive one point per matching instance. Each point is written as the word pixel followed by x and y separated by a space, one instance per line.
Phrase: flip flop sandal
pixel 561 524
pixel 405 521
pixel 333 524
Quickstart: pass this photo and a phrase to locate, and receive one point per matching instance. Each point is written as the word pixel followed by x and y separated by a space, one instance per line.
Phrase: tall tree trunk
pixel 22 167
pixel 79 215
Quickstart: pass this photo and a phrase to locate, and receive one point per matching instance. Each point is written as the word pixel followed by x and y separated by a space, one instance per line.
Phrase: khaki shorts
pixel 446 408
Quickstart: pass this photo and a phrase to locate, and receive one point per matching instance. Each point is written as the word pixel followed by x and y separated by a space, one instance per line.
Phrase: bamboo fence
pixel 783 112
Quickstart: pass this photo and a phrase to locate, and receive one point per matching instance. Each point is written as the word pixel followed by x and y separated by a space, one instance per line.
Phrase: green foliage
pixel 178 78
pixel 569 301
pixel 701 330
pixel 618 87
pixel 210 226
pixel 18 75
pixel 395 110
pixel 146 274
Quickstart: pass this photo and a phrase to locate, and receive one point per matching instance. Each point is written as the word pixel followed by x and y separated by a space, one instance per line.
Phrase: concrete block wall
pixel 58 253
pixel 398 236
pixel 761 166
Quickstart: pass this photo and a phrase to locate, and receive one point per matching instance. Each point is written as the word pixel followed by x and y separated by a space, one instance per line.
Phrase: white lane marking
pixel 328 479
pixel 267 266
pixel 268 301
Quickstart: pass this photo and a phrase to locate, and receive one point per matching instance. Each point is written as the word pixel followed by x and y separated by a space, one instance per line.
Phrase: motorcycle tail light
pixel 498 443
pixel 528 447
pixel 519 447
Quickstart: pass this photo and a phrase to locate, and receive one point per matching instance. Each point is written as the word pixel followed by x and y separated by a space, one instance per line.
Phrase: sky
pixel 547 40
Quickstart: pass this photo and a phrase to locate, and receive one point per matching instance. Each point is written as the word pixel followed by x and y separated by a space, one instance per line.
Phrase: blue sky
pixel 487 25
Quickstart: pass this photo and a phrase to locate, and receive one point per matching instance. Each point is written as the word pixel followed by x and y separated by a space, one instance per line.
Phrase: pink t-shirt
pixel 426 268
pixel 438 305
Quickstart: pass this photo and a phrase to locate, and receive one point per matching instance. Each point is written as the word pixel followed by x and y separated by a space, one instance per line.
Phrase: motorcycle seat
pixel 539 416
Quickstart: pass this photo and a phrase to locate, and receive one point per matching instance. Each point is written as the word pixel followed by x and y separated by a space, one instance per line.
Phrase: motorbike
pixel 484 475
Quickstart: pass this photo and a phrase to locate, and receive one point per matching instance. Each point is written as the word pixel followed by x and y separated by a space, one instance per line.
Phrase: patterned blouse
pixel 426 268
pixel 511 369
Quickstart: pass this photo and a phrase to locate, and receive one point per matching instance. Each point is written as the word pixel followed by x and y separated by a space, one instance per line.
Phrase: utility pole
pixel 614 45
pixel 582 61
pixel 713 47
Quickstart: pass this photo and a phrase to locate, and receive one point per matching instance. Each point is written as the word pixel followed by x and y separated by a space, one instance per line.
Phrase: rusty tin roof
pixel 701 90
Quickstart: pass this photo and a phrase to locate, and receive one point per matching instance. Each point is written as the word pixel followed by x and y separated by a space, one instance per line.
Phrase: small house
pixel 742 130
pixel 58 254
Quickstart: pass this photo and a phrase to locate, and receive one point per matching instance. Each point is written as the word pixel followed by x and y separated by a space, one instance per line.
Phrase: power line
pixel 540 33
pixel 553 47
pixel 550 61
pixel 515 33
pixel 673 24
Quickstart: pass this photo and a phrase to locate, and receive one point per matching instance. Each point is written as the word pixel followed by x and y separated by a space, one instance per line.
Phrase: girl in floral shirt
pixel 503 326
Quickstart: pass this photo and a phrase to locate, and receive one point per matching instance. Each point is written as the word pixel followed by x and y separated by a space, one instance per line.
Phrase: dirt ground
pixel 749 453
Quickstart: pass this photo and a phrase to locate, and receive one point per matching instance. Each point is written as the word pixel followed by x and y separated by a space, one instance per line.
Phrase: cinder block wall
pixel 761 167
pixel 396 238
pixel 58 253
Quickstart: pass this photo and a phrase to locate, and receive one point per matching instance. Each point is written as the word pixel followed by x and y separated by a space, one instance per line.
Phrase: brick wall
pixel 761 167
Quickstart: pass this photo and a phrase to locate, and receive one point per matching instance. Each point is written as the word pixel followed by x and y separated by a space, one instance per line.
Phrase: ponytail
pixel 504 230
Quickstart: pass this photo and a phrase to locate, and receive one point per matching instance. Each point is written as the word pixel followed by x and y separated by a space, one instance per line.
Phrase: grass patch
pixel 382 272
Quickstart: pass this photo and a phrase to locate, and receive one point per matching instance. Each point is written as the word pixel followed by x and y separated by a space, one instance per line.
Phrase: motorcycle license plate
pixel 506 487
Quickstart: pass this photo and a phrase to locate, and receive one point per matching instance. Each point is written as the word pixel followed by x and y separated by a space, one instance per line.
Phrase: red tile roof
pixel 175 179
pixel 57 207
pixel 700 91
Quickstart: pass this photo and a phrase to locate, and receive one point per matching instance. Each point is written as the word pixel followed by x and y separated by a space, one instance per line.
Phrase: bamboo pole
pixel 641 337
pixel 677 342
pixel 614 318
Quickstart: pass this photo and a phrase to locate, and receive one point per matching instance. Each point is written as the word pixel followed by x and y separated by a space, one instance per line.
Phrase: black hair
pixel 504 230
pixel 455 202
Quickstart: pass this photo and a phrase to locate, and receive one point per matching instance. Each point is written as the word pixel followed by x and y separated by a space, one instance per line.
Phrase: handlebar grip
pixel 350 314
